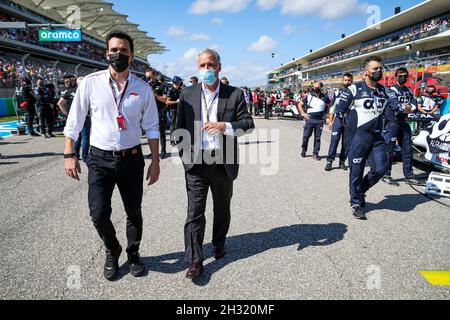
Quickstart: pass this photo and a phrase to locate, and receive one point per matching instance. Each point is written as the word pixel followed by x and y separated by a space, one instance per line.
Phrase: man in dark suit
pixel 210 118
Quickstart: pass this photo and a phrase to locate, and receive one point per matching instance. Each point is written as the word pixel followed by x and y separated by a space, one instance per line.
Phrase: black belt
pixel 119 154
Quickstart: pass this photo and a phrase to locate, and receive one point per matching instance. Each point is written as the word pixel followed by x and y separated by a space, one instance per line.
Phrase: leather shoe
pixel 195 270
pixel 219 253
pixel 111 269
pixel 137 267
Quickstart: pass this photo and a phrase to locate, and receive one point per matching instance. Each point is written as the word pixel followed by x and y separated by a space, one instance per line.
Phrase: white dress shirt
pixel 212 141
pixel 138 107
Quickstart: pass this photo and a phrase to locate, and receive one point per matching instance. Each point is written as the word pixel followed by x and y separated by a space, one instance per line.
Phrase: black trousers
pixel 173 120
pixel 105 171
pixel 316 126
pixel 30 115
pixel 162 113
pixel 198 181
pixel 46 118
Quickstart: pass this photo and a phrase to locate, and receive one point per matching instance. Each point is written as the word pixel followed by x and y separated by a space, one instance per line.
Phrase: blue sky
pixel 246 32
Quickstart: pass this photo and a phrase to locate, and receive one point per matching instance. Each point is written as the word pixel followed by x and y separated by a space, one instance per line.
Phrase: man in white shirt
pixel 211 115
pixel 121 107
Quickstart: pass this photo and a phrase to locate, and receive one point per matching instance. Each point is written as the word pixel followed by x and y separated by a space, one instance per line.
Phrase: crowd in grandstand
pixel 410 34
pixel 31 36
pixel 406 35
pixel 12 71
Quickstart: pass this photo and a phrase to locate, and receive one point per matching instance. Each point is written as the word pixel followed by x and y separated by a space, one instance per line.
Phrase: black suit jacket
pixel 231 108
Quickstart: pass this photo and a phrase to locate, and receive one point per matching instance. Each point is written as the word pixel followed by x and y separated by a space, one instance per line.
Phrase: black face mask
pixel 376 76
pixel 317 90
pixel 119 62
pixel 402 79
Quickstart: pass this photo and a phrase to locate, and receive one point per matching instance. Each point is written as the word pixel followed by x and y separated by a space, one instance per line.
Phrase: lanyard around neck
pixel 206 104
pixel 115 96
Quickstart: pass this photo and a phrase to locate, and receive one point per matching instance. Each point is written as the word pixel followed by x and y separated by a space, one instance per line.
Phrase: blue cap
pixel 177 79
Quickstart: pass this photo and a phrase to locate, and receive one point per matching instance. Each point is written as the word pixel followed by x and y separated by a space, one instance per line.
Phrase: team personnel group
pixel 369 120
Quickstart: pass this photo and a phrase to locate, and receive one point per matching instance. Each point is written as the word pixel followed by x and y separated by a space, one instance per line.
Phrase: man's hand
pixel 305 116
pixel 153 172
pixel 72 168
pixel 408 109
pixel 214 127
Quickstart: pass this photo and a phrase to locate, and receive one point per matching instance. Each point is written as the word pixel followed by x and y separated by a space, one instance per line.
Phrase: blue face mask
pixel 207 76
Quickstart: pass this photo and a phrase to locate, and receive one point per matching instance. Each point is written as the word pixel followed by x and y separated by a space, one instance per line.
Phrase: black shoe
pixel 163 155
pixel 219 253
pixel 342 165
pixel 329 166
pixel 195 270
pixel 111 269
pixel 52 135
pixel 412 181
pixel 390 181
pixel 358 213
pixel 363 200
pixel 137 268
pixel 303 154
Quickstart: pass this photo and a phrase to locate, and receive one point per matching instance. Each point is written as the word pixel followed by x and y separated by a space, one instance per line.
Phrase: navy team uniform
pixel 428 103
pixel 316 109
pixel 397 128
pixel 365 108
pixel 338 132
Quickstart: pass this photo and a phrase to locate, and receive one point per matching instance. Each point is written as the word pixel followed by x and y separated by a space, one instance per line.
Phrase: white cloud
pixel 324 8
pixel 229 6
pixel 265 43
pixel 200 37
pixel 191 54
pixel 177 32
pixel 248 73
pixel 217 47
pixel 180 33
pixel 328 26
pixel 289 29
pixel 266 4
pixel 217 21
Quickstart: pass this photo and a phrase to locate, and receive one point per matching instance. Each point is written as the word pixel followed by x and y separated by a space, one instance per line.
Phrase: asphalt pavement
pixel 292 234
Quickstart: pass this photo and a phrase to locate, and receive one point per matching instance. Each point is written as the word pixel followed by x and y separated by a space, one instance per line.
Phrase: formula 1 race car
pixel 432 144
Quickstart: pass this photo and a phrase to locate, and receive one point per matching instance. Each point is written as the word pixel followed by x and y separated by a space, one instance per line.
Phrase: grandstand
pixel 417 38
pixel 21 52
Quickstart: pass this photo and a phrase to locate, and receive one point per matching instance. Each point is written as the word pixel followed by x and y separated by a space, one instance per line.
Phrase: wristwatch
pixel 69 155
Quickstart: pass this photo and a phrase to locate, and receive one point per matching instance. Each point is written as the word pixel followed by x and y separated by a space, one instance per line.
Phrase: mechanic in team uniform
pixel 67 95
pixel 30 100
pixel 172 103
pixel 160 91
pixel 402 103
pixel 362 107
pixel 337 128
pixel 429 105
pixel 315 116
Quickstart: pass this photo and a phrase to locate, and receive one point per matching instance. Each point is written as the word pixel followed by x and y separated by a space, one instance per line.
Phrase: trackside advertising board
pixel 64 35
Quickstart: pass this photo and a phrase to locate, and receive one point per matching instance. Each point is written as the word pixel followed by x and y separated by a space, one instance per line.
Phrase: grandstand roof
pixel 97 19
pixel 416 14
